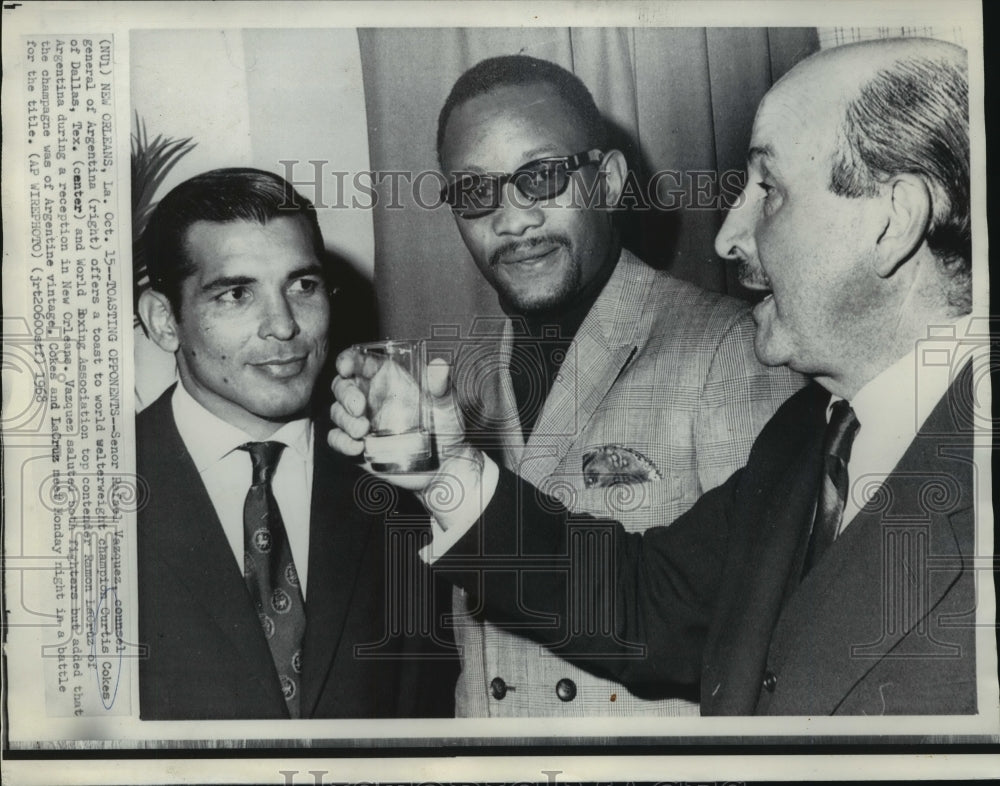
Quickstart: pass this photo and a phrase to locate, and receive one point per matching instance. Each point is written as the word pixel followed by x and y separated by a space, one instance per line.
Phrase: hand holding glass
pixel 392 376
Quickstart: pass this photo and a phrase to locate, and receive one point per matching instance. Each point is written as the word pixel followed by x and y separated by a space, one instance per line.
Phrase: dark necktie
pixel 270 572
pixel 834 485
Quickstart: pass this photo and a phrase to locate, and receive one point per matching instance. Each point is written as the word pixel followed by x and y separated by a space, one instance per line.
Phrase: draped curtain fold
pixel 679 101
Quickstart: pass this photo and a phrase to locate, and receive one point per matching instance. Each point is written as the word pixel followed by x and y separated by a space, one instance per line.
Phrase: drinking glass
pixel 392 375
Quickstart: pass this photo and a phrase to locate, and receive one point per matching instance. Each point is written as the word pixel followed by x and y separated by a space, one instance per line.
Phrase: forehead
pixel 796 128
pixel 504 128
pixel 276 247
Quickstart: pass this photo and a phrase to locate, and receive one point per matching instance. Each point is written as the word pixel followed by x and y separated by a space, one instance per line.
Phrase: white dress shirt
pixel 893 406
pixel 227 473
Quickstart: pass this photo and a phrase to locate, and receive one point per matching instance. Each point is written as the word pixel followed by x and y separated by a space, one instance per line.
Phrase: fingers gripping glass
pixel 472 195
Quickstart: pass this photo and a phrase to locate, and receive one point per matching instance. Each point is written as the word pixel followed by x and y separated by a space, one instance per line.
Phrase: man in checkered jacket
pixel 617 388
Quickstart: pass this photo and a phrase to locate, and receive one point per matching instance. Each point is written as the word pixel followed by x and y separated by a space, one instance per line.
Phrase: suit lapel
pixel 876 583
pixel 603 346
pixel 195 549
pixel 486 391
pixel 338 533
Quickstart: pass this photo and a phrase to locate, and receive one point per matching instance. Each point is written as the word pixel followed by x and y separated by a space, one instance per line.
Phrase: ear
pixel 615 170
pixel 157 317
pixel 908 214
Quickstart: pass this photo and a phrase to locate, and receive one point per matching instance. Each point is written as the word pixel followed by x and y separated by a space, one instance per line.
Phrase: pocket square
pixel 611 464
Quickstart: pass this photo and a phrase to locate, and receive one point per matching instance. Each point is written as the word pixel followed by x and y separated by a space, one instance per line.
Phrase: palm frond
pixel 152 161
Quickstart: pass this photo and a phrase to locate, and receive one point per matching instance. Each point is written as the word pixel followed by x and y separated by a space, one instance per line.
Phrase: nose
pixel 735 238
pixel 279 320
pixel 517 213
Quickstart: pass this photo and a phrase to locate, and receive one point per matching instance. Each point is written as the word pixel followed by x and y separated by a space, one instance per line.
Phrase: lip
pixel 531 257
pixel 758 282
pixel 283 368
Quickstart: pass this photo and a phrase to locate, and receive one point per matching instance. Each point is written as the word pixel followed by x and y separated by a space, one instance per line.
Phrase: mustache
pixel 751 276
pixel 519 247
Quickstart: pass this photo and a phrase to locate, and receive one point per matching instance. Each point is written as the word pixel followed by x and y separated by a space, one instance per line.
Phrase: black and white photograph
pixel 497 391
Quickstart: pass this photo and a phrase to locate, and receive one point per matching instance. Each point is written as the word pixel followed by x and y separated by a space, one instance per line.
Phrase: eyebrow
pixel 548 151
pixel 225 282
pixel 307 270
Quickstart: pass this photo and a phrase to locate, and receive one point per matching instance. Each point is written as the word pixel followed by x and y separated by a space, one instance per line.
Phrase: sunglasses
pixel 473 195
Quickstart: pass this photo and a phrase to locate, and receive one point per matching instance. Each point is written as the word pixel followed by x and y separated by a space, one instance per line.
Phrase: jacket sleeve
pixel 534 567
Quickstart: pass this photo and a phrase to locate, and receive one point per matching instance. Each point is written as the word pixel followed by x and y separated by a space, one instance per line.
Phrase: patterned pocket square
pixel 611 464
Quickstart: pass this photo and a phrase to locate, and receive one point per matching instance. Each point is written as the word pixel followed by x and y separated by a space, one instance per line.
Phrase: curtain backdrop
pixel 678 99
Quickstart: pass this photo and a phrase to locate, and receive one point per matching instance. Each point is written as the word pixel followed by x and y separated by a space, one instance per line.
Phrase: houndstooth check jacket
pixel 662 375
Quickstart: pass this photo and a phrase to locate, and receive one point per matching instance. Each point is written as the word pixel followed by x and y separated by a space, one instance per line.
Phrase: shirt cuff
pixel 449 527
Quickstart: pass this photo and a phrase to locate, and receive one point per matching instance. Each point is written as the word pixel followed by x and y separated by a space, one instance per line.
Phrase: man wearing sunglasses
pixel 627 389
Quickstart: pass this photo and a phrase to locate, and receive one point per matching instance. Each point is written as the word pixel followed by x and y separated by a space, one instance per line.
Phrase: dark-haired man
pixel 834 573
pixel 564 395
pixel 259 572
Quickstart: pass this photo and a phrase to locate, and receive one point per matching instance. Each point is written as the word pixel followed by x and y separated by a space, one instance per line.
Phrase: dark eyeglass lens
pixel 473 196
pixel 543 180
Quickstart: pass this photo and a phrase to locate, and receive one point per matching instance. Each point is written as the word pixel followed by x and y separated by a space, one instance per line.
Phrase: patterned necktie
pixel 840 434
pixel 270 572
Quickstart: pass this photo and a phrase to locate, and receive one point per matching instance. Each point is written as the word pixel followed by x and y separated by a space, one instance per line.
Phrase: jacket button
pixel 498 688
pixel 566 689
pixel 770 681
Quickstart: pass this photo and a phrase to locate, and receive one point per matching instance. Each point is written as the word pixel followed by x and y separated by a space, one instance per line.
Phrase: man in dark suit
pixel 262 559
pixel 834 573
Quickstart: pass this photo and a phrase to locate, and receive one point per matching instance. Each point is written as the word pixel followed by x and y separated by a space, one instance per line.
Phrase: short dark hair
pixel 518 70
pixel 913 117
pixel 220 196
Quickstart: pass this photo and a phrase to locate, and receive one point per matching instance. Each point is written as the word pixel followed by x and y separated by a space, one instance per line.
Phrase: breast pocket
pixel 637 506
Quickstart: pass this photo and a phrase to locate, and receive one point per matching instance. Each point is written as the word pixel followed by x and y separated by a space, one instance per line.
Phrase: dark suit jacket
pixel 207 656
pixel 883 624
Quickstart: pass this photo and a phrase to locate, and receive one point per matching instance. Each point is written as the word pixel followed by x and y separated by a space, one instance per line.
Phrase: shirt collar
pixel 898 393
pixel 208 438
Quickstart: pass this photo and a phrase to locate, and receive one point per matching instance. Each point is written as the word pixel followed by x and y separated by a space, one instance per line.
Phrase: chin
pixel 287 407
pixel 534 302
pixel 533 307
pixel 766 353
pixel 284 416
